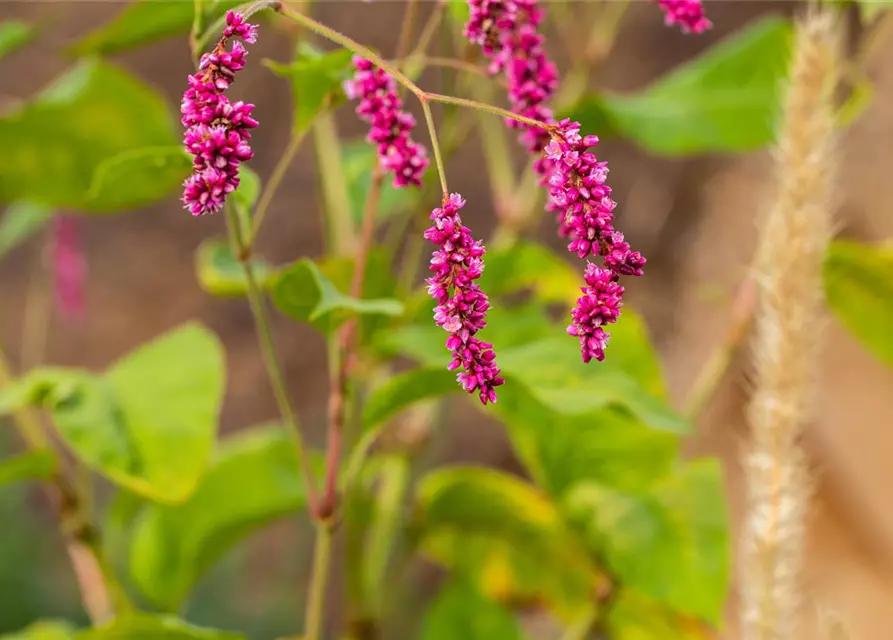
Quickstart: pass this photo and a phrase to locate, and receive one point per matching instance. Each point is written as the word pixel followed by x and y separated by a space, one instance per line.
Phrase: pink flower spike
pixel 391 126
pixel 461 305
pixel 217 131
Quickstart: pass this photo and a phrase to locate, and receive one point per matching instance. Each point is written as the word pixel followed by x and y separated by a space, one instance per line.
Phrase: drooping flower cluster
pixel 578 190
pixel 461 305
pixel 507 33
pixel 391 129
pixel 688 14
pixel 69 266
pixel 217 131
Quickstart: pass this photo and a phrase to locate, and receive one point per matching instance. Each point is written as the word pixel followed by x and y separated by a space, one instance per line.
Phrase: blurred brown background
pixel 694 219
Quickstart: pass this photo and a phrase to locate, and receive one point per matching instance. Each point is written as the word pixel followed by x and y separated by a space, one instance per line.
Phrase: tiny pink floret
pixel 69 266
pixel 688 14
pixel 217 130
pixel 461 305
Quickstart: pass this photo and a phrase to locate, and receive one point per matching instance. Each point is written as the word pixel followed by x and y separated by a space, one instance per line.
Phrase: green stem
pixel 101 593
pixel 341 238
pixel 195 32
pixel 266 197
pixel 714 370
pixel 268 350
pixel 316 595
pixel 435 145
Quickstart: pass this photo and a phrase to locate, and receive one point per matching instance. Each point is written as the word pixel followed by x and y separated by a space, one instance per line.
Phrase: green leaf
pixel 671 542
pixel 14 34
pixel 403 390
pixel 44 630
pixel 552 372
pixel 858 283
pixel 632 616
pixel 145 626
pixel 149 423
pixel 459 611
pixel 253 480
pixel 500 532
pixel 316 82
pixel 303 293
pixel 21 220
pixel 27 466
pixel 220 274
pixel 359 159
pixel 725 100
pixel 869 10
pixel 138 177
pixel 85 123
pixel 146 21
pixel 856 103
pixel 458 11
pixel 528 266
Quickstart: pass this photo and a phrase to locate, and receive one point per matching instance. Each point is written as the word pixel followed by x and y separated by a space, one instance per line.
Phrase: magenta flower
pixel 69 266
pixel 507 32
pixel 688 14
pixel 461 305
pixel 391 125
pixel 582 199
pixel 217 131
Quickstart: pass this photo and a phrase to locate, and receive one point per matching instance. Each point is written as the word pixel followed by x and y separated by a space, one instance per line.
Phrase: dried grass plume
pixel 794 237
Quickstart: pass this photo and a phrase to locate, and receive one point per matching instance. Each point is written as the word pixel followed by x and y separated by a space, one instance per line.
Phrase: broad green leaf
pixel 607 446
pixel 459 611
pixel 14 34
pixel 316 82
pixel 253 480
pixel 27 466
pixel 138 177
pixel 670 542
pixel 405 389
pixel 500 532
pixel 145 626
pixel 869 10
pixel 48 160
pixel 529 266
pixel 169 394
pixel 553 373
pixel 725 100
pixel 858 283
pixel 148 424
pixel 359 159
pixel 44 630
pixel 220 274
pixel 303 293
pixel 145 21
pixel 20 221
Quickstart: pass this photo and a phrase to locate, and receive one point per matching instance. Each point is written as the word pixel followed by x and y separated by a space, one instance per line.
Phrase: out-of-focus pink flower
pixel 688 14
pixel 391 126
pixel 69 266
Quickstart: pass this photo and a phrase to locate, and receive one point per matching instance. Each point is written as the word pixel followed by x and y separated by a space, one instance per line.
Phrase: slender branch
pixel 266 196
pixel 423 96
pixel 316 597
pixel 488 108
pixel 429 30
pixel 101 594
pixel 409 17
pixel 714 370
pixel 435 145
pixel 351 44
pixel 268 351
